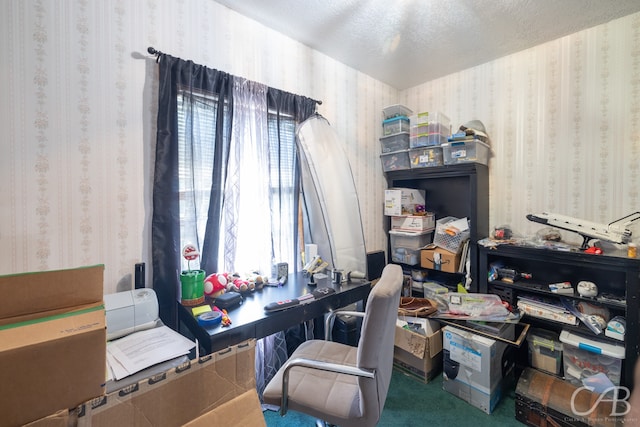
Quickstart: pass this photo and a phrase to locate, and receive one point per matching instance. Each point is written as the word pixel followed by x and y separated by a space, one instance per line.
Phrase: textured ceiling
pixel 408 42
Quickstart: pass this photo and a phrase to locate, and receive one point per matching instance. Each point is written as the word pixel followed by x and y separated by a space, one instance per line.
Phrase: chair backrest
pixel 375 349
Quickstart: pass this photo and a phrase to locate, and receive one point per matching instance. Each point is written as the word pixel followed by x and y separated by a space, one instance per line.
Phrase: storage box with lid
pixel 396 110
pixel 427 140
pixel 397 160
pixel 426 122
pixel 405 245
pixel 403 201
pixel 474 151
pixel 414 222
pixel 395 125
pixel 425 157
pixel 585 357
pixel 545 350
pixel 396 142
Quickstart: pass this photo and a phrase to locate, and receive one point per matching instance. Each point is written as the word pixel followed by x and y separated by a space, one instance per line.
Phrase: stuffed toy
pixel 215 285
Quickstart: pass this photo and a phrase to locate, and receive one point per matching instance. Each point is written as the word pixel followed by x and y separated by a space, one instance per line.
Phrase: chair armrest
pixel 317 364
pixel 328 322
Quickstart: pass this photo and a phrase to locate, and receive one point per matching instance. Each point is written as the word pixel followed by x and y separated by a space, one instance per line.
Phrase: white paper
pixel 143 349
pixel 461 224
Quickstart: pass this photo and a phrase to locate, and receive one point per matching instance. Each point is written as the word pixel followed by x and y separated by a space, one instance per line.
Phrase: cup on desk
pixel 336 276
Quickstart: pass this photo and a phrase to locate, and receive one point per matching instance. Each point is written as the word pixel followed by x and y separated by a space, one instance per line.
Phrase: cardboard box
pixel 242 411
pixel 28 296
pixel 418 355
pixel 180 395
pixel 415 223
pixel 402 201
pixel 54 358
pixel 473 367
pixel 449 261
pixel 59 419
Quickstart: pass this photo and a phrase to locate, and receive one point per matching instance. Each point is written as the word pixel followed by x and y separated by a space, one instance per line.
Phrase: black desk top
pixel 249 320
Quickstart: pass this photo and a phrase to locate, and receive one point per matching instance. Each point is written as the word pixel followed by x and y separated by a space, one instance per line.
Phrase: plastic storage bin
pixel 444 240
pixel 474 151
pixel 431 119
pixel 396 142
pixel 583 358
pixel 545 350
pixel 397 160
pixel 427 140
pixel 425 157
pixel 414 223
pixel 405 246
pixel 395 125
pixel 396 110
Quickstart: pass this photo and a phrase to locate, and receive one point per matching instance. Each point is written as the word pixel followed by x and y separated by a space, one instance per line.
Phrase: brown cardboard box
pixel 418 355
pixel 28 295
pixel 54 358
pixel 449 261
pixel 242 411
pixel 179 395
pixel 59 419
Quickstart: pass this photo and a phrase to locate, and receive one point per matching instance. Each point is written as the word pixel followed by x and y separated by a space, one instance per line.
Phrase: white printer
pixel 130 311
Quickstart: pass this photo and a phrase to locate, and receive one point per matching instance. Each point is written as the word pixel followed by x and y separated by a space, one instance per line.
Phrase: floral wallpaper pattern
pixel 79 112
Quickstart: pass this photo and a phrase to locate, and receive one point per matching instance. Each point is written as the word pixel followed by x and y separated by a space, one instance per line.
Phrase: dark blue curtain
pixel 177 75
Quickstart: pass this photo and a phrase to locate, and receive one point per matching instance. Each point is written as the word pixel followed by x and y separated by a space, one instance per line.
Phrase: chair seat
pixel 322 394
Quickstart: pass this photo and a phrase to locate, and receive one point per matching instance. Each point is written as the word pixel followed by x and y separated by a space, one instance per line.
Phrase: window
pixel 197 115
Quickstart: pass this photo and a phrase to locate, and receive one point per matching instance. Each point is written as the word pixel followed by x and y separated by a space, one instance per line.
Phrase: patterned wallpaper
pixel 564 122
pixel 79 121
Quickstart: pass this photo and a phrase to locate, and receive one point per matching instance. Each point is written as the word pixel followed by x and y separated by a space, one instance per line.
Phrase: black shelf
pixel 613 273
pixel 461 191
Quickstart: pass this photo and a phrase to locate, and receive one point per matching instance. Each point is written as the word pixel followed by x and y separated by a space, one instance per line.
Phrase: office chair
pixel 338 383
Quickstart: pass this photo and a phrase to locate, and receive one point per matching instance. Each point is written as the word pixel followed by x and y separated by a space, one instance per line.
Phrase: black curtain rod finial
pixel 155 52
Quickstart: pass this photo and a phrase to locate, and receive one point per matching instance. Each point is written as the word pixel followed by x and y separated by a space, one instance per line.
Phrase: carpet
pixel 411 403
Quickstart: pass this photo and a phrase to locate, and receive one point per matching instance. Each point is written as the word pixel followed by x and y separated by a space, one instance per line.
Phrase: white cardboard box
pixel 402 201
pixel 473 367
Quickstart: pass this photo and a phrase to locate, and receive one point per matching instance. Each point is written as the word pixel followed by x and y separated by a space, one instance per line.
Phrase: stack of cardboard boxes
pixel 52 342
pixel 53 365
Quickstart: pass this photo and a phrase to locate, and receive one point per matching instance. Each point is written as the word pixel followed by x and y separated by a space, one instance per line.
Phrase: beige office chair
pixel 338 383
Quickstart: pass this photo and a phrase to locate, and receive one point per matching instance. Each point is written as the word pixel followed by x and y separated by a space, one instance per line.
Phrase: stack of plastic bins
pixel 427 132
pixel 395 139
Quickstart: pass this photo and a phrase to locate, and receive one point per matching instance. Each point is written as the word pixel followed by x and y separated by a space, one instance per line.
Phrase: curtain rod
pixel 157 53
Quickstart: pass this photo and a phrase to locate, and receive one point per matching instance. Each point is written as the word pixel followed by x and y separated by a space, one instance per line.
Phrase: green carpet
pixel 411 403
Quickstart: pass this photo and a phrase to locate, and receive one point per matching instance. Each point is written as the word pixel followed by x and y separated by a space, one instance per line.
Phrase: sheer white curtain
pixel 246 218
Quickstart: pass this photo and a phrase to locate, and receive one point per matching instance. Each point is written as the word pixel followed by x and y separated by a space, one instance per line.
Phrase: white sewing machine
pixel 130 311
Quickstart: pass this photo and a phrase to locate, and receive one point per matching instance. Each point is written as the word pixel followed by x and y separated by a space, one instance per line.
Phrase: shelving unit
pixel 613 273
pixel 460 190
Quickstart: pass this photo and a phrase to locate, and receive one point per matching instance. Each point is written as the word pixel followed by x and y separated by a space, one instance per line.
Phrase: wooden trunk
pixel 546 400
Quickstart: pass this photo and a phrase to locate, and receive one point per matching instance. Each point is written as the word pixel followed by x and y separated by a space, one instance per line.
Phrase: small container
pixel 545 350
pixel 395 125
pixel 632 250
pixel 396 142
pixel 397 160
pixel 427 140
pixel 396 110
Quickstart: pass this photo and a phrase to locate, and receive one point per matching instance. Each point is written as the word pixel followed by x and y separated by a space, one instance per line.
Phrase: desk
pixel 249 320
